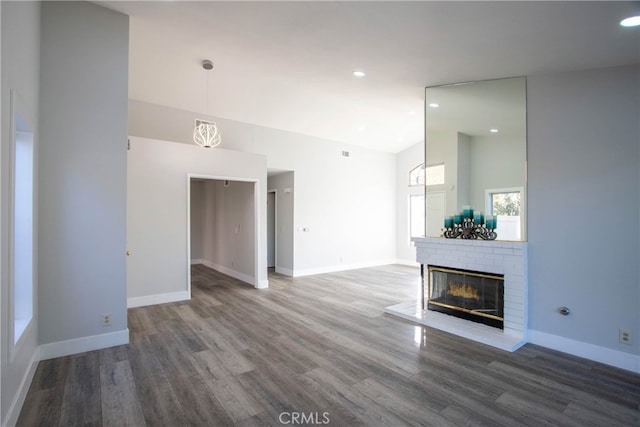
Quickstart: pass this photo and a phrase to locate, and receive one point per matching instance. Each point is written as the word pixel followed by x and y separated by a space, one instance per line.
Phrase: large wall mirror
pixel 477 131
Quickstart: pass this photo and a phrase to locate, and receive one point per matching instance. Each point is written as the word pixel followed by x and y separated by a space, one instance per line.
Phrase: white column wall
pixel 83 155
pixel 20 36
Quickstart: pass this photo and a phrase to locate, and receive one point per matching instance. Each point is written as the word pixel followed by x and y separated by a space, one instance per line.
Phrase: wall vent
pixel 346 154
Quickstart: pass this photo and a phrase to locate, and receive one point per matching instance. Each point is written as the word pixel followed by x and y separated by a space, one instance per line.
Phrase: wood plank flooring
pixel 318 350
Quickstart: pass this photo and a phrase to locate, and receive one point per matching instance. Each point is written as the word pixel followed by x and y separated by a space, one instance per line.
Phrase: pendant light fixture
pixel 206 134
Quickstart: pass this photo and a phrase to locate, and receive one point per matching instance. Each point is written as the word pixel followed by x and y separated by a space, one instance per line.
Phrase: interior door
pixel 436 203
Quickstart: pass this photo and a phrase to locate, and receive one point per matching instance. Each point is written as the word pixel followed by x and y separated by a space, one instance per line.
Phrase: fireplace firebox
pixel 470 295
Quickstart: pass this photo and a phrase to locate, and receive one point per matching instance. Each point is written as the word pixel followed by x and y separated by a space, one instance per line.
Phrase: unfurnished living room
pixel 376 213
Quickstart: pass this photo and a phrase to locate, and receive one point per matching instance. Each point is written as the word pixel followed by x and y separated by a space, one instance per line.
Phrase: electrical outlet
pixel 106 319
pixel 624 336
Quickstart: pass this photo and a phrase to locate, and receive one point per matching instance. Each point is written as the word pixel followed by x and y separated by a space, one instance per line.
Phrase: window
pixel 416 215
pixel 435 175
pixel 432 175
pixel 416 175
pixel 506 206
pixel 22 226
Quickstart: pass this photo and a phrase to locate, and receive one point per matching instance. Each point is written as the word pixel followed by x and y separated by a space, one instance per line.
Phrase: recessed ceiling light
pixel 632 21
pixel 434 105
pixel 493 130
pixel 359 73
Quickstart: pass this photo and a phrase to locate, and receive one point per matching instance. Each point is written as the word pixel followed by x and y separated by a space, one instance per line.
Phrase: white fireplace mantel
pixel 498 257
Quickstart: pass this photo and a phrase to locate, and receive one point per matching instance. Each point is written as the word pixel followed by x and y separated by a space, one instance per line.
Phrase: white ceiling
pixel 288 65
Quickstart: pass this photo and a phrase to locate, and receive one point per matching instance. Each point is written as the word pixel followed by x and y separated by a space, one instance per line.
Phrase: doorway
pixel 223 226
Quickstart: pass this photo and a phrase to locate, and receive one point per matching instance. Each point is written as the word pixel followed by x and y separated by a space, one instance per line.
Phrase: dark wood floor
pixel 318 349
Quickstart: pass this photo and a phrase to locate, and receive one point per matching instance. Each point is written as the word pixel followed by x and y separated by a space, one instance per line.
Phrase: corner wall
pixel 83 167
pixel 20 38
pixel 584 205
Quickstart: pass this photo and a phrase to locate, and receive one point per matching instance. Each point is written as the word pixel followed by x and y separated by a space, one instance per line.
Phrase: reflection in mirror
pixel 478 132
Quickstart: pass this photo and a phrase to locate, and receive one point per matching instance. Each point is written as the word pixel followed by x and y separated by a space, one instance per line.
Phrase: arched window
pixel 432 175
pixel 416 175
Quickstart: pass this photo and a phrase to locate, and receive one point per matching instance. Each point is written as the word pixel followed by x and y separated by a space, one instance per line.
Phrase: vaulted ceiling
pixel 288 65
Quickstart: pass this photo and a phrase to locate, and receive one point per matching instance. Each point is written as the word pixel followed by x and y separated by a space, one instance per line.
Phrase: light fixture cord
pixel 207 91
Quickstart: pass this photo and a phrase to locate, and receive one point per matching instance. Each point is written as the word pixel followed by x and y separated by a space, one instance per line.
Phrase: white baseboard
pixel 158 299
pixel 18 400
pixel 407 262
pixel 619 359
pixel 80 345
pixel 230 272
pixel 263 284
pixel 197 261
pixel 341 267
pixel 284 271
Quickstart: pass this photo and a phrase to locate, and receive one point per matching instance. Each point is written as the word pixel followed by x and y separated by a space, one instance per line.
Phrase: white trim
pixel 275 228
pixel 407 262
pixel 158 299
pixel 255 281
pixel 341 267
pixel 18 400
pixel 257 252
pixel 284 271
pixel 619 359
pixel 263 284
pixel 230 272
pixel 197 261
pixel 80 345
pixel 189 262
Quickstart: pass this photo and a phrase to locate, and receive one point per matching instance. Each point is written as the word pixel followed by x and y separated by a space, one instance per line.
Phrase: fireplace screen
pixel 471 295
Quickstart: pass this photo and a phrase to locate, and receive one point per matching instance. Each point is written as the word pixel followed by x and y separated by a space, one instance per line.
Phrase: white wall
pixel 82 197
pixel 498 162
pixel 284 185
pixel 584 205
pixel 157 183
pixel 347 204
pixel 228 228
pixel 442 147
pixel 405 161
pixel 20 45
pixel 463 156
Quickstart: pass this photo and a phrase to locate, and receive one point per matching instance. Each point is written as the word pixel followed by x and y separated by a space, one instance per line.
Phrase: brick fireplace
pixel 507 259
